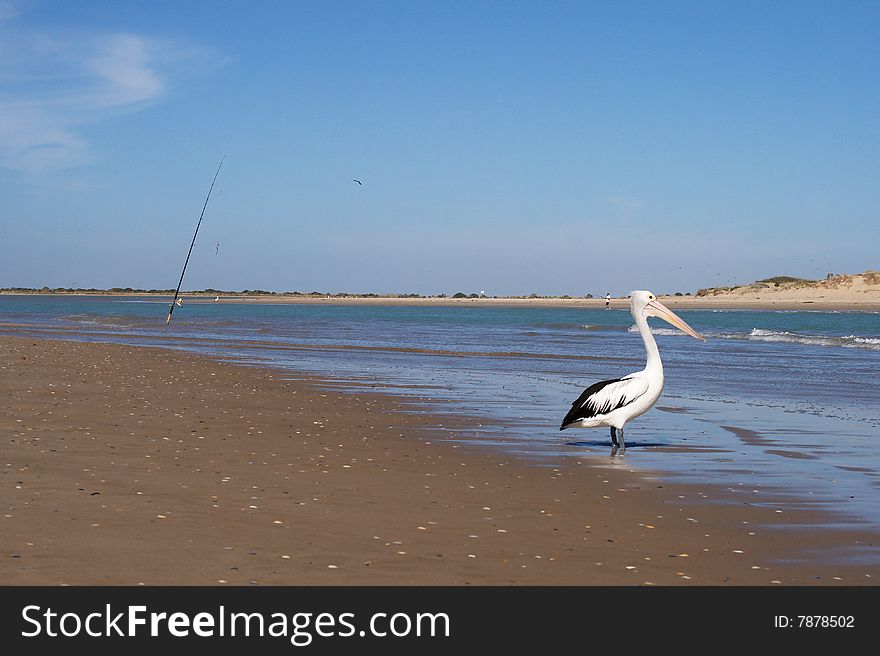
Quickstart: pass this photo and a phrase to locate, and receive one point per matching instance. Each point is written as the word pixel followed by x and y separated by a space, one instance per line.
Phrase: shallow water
pixel 774 405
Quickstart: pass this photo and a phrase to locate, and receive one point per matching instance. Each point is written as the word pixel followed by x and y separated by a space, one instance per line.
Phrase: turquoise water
pixel 774 405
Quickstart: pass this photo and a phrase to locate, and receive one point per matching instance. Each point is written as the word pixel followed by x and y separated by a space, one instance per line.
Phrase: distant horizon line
pixel 130 291
pixel 209 291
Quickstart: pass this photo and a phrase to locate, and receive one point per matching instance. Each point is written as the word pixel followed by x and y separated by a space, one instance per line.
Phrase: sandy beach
pixel 135 465
pixel 859 292
pixel 805 301
pixel 732 301
pixel 722 302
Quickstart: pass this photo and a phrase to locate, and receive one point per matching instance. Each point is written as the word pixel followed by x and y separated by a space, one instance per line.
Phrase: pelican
pixel 614 402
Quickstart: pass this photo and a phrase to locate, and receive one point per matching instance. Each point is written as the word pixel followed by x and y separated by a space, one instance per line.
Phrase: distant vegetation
pixel 776 281
pixel 211 292
pixel 226 293
pixel 85 290
pixel 129 291
pixel 779 280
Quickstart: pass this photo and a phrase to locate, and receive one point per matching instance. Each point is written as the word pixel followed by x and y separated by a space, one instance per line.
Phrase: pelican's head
pixel 644 304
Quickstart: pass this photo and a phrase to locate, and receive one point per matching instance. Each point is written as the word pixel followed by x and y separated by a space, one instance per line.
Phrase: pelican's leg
pixel 613 436
pixel 622 442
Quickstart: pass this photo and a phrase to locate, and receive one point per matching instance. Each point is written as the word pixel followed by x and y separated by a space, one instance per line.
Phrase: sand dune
pixel 844 291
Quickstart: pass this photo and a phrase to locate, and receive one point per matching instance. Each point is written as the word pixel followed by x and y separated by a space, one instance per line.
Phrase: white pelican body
pixel 614 402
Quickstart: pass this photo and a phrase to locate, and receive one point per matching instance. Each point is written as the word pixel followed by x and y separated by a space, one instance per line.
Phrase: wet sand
pixel 128 465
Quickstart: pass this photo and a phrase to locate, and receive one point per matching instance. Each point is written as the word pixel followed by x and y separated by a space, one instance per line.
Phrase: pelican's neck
pixel 654 365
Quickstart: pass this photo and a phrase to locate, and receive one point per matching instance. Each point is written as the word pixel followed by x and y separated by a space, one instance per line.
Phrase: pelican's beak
pixel 657 309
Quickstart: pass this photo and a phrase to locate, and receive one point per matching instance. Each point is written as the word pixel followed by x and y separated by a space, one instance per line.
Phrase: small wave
pixel 847 341
pixel 92 320
pixel 81 319
pixel 657 331
pixel 557 325
pixel 564 325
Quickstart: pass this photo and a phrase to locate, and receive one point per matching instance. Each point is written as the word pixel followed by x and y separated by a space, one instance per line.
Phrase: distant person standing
pixel 608 301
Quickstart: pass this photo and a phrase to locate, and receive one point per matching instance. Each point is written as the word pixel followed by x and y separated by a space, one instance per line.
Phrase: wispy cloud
pixel 34 139
pixel 52 87
pixel 125 68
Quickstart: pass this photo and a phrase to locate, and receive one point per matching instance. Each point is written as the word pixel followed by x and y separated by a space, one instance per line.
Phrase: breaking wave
pixel 847 341
pixel 783 336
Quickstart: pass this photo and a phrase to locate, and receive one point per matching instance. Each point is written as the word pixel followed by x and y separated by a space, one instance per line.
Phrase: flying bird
pixel 358 181
pixel 217 251
pixel 614 402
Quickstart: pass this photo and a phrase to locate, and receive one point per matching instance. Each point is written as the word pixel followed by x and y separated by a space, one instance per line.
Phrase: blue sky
pixel 512 147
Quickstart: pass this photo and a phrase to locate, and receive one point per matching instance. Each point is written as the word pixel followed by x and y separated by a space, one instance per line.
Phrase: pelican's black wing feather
pixel 603 398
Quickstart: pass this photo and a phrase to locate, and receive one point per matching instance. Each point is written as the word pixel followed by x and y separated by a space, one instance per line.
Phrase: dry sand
pixel 860 292
pixel 128 465
pixel 842 292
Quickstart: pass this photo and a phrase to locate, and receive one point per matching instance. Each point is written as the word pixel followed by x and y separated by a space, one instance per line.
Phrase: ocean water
pixel 776 405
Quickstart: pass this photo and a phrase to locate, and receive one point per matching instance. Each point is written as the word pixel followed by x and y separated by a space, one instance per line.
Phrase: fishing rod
pixel 198 225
